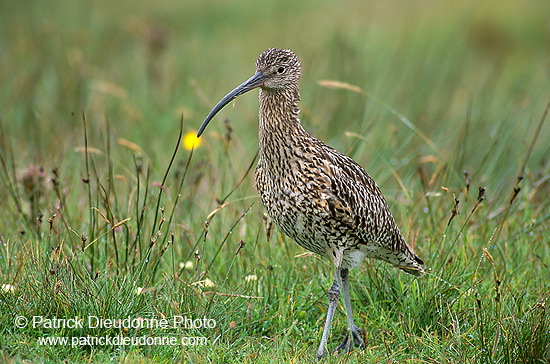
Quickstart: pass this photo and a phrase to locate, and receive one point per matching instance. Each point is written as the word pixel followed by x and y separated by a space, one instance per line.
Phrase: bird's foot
pixel 321 354
pixel 357 341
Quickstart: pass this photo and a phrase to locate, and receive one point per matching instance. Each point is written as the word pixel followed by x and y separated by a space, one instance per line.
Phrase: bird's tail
pixel 414 266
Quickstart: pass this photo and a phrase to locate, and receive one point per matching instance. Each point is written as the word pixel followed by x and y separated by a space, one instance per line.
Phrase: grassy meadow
pixel 107 211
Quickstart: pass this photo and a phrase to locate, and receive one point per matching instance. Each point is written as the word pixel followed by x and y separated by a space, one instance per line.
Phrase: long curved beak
pixel 255 81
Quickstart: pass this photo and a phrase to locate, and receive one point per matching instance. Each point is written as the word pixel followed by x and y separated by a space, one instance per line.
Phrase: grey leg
pixel 353 331
pixel 333 296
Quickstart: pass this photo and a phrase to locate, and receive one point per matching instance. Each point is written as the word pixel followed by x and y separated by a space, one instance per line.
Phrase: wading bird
pixel 319 197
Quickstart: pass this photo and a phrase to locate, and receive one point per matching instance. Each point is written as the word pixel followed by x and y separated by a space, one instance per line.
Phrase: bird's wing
pixel 365 205
pixel 356 190
pixel 362 202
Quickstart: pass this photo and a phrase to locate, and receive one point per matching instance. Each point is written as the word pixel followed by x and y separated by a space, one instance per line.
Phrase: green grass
pixel 105 213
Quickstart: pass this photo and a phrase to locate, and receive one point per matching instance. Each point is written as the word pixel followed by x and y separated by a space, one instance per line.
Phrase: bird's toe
pixel 347 345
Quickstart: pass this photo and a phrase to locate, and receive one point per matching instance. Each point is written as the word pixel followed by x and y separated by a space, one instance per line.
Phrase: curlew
pixel 319 197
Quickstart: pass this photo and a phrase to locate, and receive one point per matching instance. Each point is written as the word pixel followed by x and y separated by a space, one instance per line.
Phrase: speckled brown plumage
pixel 319 197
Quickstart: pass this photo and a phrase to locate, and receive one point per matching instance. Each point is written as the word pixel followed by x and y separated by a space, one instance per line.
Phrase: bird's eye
pixel 281 69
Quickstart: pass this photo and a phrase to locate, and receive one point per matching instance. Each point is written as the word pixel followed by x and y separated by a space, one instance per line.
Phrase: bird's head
pixel 276 69
pixel 280 68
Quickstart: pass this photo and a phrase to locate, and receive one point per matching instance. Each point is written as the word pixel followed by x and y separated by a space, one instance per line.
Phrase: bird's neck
pixel 279 118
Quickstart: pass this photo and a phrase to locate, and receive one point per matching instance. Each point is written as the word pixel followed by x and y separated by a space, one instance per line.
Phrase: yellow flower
pixel 190 140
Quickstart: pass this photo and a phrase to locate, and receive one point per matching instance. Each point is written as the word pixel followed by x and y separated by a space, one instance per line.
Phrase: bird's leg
pixel 333 296
pixel 353 331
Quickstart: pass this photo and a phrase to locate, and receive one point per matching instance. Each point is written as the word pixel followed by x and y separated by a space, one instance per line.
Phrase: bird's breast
pixel 297 198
